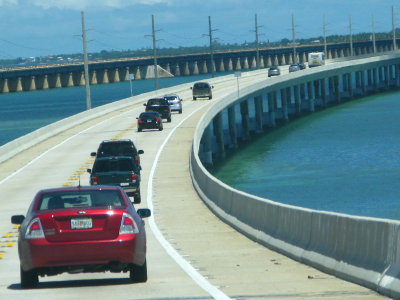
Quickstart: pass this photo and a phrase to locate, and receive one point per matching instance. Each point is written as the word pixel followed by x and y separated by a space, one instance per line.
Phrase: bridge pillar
pixel 258 106
pixel 337 87
pixel 177 70
pixel 105 78
pixel 297 102
pixel 221 66
pixel 81 80
pixel 32 84
pixel 349 77
pixel 276 61
pixel 204 69
pixel 290 59
pixel 230 64
pixel 186 71
pixel 262 64
pixel 126 73
pixel 93 77
pixel 70 81
pixel 272 108
pixel 58 81
pixel 269 61
pixel 115 75
pixel 238 66
pixel 4 87
pixel 386 70
pixel 195 68
pixel 244 111
pixel 232 126
pixel 324 94
pixel 219 135
pixel 245 64
pixel 253 64
pixel 397 74
pixel 362 83
pixel 311 96
pixel 283 60
pixel 206 142
pixel 284 104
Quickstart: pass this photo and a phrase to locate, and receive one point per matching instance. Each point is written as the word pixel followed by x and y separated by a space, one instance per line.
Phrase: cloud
pixel 86 4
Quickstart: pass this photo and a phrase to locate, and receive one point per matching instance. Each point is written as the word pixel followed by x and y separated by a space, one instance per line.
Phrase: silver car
pixel 175 102
pixel 274 71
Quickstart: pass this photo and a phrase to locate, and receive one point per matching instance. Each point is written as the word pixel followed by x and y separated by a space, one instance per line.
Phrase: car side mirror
pixel 144 104
pixel 144 212
pixel 212 86
pixel 191 88
pixel 17 219
pixel 140 151
pixel 89 171
pixel 93 153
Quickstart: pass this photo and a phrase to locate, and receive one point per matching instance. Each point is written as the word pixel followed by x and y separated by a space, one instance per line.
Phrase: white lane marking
pixel 184 264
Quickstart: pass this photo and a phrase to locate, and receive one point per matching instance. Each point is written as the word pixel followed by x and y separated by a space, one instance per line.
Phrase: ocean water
pixel 344 159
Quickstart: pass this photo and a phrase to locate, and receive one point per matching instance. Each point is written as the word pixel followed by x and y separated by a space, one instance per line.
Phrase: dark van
pixel 202 90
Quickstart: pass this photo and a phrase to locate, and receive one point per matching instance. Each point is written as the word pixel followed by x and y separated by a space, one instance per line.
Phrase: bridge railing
pixel 362 250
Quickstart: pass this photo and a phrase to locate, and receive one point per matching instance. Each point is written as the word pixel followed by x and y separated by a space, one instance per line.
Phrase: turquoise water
pixel 344 159
pixel 22 113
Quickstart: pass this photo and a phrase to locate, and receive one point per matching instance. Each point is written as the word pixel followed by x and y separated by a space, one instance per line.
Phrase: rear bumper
pixel 40 253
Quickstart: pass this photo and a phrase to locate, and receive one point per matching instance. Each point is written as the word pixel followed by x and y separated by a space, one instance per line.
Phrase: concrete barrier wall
pixel 363 250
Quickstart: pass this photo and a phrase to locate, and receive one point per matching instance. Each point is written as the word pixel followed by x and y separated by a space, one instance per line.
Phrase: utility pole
pixel 211 46
pixel 351 37
pixel 324 34
pixel 85 64
pixel 154 53
pixel 257 47
pixel 294 41
pixel 394 29
pixel 373 35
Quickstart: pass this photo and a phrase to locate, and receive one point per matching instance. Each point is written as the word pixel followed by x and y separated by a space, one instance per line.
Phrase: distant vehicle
pixel 316 59
pixel 117 171
pixel 274 71
pixel 149 120
pixel 161 106
pixel 81 230
pixel 302 66
pixel 202 90
pixel 109 148
pixel 294 68
pixel 175 102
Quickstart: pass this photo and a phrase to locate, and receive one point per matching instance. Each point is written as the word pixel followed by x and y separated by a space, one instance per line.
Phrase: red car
pixel 81 229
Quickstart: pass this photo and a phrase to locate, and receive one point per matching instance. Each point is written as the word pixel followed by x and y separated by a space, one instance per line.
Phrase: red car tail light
pixel 158 120
pixel 34 230
pixel 128 225
pixel 134 177
pixel 140 121
pixel 95 180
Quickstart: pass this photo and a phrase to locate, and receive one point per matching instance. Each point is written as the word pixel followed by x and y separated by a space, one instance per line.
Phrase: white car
pixel 175 102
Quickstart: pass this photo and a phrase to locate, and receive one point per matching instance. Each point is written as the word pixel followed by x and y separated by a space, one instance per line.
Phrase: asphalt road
pixel 191 253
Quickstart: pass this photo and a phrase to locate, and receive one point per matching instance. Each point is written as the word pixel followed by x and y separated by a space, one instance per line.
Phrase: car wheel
pixel 160 128
pixel 209 97
pixel 29 279
pixel 139 129
pixel 194 98
pixel 138 273
pixel 169 119
pixel 180 111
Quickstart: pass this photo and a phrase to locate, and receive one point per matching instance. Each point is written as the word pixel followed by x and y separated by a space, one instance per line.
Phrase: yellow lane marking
pixel 1 255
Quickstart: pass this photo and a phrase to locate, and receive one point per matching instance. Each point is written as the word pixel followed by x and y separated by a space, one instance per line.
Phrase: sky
pixel 50 27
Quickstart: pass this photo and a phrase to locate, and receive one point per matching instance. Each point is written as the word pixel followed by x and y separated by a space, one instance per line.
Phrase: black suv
pixel 161 106
pixel 110 148
pixel 120 171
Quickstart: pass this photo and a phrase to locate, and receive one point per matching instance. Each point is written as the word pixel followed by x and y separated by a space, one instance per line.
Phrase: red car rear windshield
pixel 81 199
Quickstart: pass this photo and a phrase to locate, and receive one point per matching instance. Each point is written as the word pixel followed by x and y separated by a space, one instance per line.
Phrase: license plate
pixel 124 184
pixel 81 223
pixel 149 121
